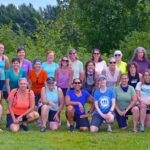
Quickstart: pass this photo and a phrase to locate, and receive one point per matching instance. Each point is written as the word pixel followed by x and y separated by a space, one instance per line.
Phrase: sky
pixel 36 3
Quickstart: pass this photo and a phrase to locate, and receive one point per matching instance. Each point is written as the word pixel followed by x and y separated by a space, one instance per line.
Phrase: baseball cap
pixel 102 77
pixel 50 80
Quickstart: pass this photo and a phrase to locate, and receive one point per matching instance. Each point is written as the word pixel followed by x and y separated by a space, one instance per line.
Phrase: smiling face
pixel 23 84
pixel 21 54
pixel 132 69
pixel 77 84
pixel 50 57
pixel 73 55
pixel 90 67
pixel 146 76
pixel 15 65
pixel 112 63
pixel 37 65
pixel 140 54
pixel 124 79
pixel 64 61
pixel 96 55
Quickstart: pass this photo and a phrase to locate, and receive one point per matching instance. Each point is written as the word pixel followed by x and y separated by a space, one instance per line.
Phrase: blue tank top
pixel 52 96
pixel 2 69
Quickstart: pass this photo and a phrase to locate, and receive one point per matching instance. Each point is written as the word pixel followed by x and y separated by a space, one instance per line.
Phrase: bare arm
pixel 61 100
pixel 7 66
pixel 113 104
pixel 56 75
pixel 7 85
pixel 69 102
pixel 70 78
pixel 91 101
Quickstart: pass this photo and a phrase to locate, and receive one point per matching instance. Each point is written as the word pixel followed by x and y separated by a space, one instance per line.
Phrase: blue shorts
pixel 10 120
pixel 50 115
pixel 122 120
pixel 37 98
pixel 97 120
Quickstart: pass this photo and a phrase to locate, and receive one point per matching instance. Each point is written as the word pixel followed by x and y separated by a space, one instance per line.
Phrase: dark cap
pixel 102 77
pixel 50 80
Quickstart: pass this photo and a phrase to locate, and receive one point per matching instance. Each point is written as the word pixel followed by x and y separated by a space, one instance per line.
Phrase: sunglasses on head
pixel 117 55
pixel 77 83
pixel 112 62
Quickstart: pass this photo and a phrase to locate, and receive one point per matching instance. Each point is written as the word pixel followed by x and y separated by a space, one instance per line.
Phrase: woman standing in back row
pixel 100 64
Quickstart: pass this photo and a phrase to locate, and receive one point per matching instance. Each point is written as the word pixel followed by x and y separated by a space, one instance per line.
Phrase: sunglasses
pixel 72 53
pixel 112 62
pixel 77 83
pixel 117 55
pixel 96 53
pixel 65 60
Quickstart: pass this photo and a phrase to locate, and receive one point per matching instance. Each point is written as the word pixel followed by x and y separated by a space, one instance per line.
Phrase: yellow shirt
pixel 122 67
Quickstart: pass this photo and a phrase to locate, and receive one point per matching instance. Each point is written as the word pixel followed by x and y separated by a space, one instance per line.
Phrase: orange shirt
pixel 37 82
pixel 20 105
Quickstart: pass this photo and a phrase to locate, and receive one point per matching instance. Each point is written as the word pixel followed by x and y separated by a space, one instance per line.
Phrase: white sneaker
pixel 1 130
pixel 68 124
pixel 109 129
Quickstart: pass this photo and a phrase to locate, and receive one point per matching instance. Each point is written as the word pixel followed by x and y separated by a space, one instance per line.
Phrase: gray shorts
pixel 97 120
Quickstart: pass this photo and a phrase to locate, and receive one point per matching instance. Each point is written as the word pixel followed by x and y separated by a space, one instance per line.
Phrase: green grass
pixel 64 140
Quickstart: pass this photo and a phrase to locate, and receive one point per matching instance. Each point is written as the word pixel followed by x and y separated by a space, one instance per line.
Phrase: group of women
pixel 39 91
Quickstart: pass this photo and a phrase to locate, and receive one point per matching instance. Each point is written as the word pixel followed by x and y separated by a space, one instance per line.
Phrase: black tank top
pixel 133 80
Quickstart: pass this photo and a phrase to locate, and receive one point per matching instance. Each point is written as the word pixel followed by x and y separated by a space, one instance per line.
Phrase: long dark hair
pixel 135 65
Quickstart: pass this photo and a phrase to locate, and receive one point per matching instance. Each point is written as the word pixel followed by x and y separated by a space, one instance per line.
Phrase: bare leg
pixel 44 114
pixel 135 116
pixel 70 114
pixel 143 108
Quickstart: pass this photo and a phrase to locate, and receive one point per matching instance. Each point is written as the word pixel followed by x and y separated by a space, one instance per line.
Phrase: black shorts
pixel 81 122
pixel 37 98
pixel 122 120
pixel 97 120
pixel 2 82
pixel 10 120
pixel 64 90
pixel 5 94
pixel 50 115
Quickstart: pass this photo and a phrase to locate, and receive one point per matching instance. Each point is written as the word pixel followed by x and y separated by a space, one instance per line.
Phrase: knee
pixel 135 110
pixel 14 128
pixel 70 109
pixel 93 129
pixel 54 126
pixel 35 115
pixel 143 107
pixel 45 107
pixel 1 107
pixel 84 129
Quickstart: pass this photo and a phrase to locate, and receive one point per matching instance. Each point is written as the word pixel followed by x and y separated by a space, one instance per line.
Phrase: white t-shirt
pixel 144 90
pixel 99 66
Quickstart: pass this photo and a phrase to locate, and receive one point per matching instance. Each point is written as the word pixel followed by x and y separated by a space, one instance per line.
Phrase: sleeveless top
pixel 63 78
pixel 133 80
pixel 89 82
pixel 2 68
pixel 112 80
pixel 52 96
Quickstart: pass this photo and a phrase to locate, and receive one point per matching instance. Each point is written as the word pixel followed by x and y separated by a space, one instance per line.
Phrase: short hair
pixel 49 53
pixel 21 49
pixel 15 59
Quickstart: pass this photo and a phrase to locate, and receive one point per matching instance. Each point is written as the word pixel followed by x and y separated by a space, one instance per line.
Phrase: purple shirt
pixel 27 66
pixel 142 65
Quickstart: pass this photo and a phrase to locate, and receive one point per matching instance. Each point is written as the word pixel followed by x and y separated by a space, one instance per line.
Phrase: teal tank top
pixel 52 96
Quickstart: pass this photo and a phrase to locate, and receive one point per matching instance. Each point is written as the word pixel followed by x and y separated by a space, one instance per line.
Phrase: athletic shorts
pixel 10 120
pixel 50 115
pixel 37 98
pixel 97 120
pixel 2 82
pixel 81 122
pixel 122 120
pixel 5 94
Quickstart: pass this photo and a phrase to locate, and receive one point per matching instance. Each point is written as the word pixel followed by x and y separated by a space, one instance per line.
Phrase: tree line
pixel 108 25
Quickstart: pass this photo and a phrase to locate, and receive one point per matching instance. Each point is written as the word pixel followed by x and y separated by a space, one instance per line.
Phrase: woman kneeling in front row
pixel 53 100
pixel 21 105
pixel 104 99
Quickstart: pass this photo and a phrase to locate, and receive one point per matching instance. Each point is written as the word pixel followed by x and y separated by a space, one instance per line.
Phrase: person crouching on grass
pixel 104 100
pixel 52 99
pixel 21 107
pixel 75 111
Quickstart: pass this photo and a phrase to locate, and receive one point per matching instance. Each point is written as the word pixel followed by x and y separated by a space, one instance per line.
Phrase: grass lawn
pixel 64 140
